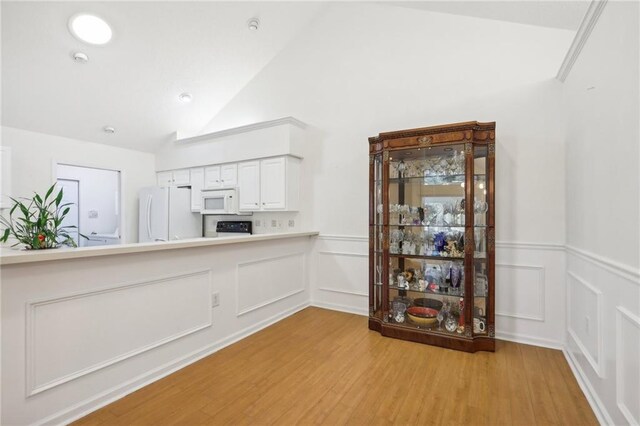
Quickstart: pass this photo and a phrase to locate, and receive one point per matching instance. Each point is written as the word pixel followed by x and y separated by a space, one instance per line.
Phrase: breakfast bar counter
pixel 15 256
pixel 82 327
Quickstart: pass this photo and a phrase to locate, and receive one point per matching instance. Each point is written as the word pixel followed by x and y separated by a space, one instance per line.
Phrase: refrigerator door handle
pixel 149 199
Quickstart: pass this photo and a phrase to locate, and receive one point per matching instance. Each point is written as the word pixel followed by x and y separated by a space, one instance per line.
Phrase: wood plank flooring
pixel 325 367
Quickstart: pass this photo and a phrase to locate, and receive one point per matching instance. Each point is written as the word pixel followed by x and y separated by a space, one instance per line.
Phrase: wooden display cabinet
pixel 432 235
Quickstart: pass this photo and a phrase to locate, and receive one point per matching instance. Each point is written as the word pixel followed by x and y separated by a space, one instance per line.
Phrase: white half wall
pixel 602 104
pixel 34 155
pixel 79 333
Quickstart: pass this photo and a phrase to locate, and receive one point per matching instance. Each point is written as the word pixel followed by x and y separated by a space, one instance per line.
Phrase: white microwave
pixel 219 201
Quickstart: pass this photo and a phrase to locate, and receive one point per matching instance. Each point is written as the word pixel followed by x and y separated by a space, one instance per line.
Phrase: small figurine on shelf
pixel 461 318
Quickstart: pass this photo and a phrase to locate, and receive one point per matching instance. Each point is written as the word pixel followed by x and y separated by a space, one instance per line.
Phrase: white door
pixel 229 175
pixel 212 177
pixel 273 184
pixel 249 186
pixel 71 194
pixel 197 185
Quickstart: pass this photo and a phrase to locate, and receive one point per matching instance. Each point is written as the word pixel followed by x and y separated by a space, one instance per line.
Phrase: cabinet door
pixel 197 184
pixel 273 184
pixel 181 177
pixel 165 178
pixel 249 186
pixel 212 177
pixel 229 175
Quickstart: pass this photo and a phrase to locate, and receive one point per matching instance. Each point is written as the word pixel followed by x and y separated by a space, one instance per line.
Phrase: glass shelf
pixel 433 292
pixel 432 226
pixel 432 329
pixel 416 256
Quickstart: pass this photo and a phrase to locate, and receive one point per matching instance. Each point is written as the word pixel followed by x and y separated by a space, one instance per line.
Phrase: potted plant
pixel 38 222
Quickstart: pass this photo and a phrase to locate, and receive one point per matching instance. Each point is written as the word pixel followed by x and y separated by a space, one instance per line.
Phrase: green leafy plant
pixel 38 222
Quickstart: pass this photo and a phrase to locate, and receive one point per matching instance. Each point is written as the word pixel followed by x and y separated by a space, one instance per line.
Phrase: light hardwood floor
pixel 326 367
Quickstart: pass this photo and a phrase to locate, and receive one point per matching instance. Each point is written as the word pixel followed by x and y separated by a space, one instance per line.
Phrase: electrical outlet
pixel 587 324
pixel 292 223
pixel 215 300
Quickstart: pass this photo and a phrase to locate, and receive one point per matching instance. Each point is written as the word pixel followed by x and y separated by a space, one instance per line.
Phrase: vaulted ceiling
pixel 161 49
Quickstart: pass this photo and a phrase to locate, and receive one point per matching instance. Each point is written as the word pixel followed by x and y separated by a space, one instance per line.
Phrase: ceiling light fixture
pixel 90 29
pixel 80 57
pixel 253 24
pixel 185 97
pixel 109 130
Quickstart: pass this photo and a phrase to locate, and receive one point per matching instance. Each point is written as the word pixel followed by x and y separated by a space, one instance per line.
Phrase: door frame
pixel 121 185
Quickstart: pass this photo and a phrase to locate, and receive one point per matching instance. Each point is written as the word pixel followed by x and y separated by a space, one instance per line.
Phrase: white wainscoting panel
pixel 265 281
pixel 606 361
pixel 584 313
pixel 340 277
pixel 71 336
pixel 520 291
pixel 344 269
pixel 628 364
pixel 530 293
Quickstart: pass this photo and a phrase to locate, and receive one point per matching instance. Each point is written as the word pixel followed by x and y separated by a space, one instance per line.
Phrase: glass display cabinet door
pixel 376 237
pixel 480 220
pixel 426 228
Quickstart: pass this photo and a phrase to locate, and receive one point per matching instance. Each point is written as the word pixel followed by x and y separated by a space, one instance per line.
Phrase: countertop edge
pixel 14 257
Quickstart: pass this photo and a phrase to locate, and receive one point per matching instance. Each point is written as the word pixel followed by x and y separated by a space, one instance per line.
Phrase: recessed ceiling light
pixel 90 29
pixel 185 97
pixel 80 57
pixel 253 24
pixel 109 130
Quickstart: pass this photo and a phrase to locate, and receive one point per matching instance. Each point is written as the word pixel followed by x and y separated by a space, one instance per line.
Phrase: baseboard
pixel 90 405
pixel 530 340
pixel 340 308
pixel 592 397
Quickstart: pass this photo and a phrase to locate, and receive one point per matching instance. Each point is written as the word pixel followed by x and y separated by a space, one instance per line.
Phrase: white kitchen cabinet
pixel 181 177
pixel 272 184
pixel 249 186
pixel 197 185
pixel 165 178
pixel 229 175
pixel 5 176
pixel 212 177
pixel 174 178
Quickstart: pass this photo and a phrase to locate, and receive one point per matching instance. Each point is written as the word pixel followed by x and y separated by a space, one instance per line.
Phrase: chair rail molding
pixel 625 271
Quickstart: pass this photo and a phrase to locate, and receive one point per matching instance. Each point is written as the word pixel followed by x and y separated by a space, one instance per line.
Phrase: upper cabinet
pixel 218 177
pixel 174 178
pixel 197 185
pixel 272 184
pixel 249 186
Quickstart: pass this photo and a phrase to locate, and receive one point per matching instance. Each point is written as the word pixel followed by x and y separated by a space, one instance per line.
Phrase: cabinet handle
pixel 263 204
pixel 256 204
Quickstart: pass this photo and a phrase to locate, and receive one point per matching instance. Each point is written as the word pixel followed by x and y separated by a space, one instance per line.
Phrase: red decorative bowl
pixel 421 315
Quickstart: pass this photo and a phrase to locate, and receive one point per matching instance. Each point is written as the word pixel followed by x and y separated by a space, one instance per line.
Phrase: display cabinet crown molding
pixel 242 129
pixel 432 130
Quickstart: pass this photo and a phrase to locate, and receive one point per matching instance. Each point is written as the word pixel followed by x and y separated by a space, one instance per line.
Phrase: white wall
pixel 603 218
pixel 361 69
pixel 98 192
pixel 34 154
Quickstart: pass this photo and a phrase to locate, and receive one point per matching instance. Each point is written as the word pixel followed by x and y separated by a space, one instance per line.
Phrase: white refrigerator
pixel 165 214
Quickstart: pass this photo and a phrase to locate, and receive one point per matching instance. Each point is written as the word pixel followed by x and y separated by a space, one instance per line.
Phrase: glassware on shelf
pixel 399 309
pixel 451 323
pixel 440 317
pixel 480 285
pixel 456 278
pixel 434 278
